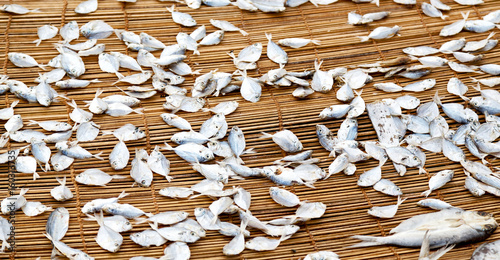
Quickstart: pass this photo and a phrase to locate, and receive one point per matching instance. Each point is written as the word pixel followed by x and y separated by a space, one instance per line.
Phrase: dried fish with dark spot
pixel 96 29
pixel 181 18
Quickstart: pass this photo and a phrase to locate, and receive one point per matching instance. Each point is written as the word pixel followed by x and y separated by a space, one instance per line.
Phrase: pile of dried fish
pixel 428 131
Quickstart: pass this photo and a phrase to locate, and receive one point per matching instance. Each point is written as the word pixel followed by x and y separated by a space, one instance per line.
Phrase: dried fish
pixel 381 33
pixel 46 32
pixel 61 192
pixel 181 18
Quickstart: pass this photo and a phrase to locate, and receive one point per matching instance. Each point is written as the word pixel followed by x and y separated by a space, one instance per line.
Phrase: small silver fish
pixel 61 192
pixel 183 19
pixel 97 204
pixel 381 33
pixel 274 52
pixel 60 162
pixel 158 163
pixel 96 29
pixel 385 211
pixel 34 208
pixel 432 11
pixel 148 238
pixel 86 7
pixel 24 60
pixel 454 28
pixel 96 177
pixel 45 32
pixel 107 238
pixel 14 203
pixel 297 42
pixel 70 31
pixel 387 187
pixel 176 192
pixel 284 197
pixel 125 210
pixel 18 9
pixel 286 140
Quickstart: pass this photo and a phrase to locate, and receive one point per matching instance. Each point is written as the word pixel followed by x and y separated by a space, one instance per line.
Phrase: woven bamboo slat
pixel 346 202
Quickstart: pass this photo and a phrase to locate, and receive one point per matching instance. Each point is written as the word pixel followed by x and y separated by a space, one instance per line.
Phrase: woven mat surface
pixel 347 204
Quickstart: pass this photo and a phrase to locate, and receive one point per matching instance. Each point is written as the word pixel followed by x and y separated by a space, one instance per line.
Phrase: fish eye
pixel 143 182
pixel 482 213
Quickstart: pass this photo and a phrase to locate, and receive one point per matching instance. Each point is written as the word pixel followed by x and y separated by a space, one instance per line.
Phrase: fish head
pixel 322 130
pixel 480 220
pixel 476 101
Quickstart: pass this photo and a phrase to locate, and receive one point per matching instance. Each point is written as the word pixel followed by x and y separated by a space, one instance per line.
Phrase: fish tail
pixel 140 220
pixel 95 81
pixel 265 135
pixel 171 9
pixel 465 98
pixel 61 181
pixel 169 178
pixel 437 99
pixel 33 122
pixel 47 167
pixel 97 156
pixel 314 3
pixel 310 184
pixel 168 147
pixel 367 241
pixel 474 80
pixel 117 176
pixel 35 175
pixel 377 2
pixel 43 67
pixel 122 195
pixel 138 110
pixel 422 170
pixel 316 42
pixel 444 17
pixel 465 15
pixel 37 42
pixel 196 72
pixel 440 252
pixel 426 193
pixel 99 218
pixel 154 225
pixel 364 38
pixel 269 36
pixel 90 218
pixel 243 32
pixel 36 10
pixel 248 151
pixel 119 75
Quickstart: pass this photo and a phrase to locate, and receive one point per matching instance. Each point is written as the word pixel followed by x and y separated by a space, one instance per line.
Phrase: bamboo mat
pixel 347 204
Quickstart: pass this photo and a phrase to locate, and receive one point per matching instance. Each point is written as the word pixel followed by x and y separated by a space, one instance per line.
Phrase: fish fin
pixel 119 75
pixel 363 39
pixel 426 193
pixel 314 3
pixel 444 17
pixel 249 151
pixel 440 252
pixel 24 191
pixel 474 80
pixel 265 135
pixel 140 220
pixel 424 250
pixel 95 81
pixel 43 67
pixel 465 98
pixel 478 88
pixel 37 42
pixel 149 214
pixel 243 32
pixel 171 9
pixel 99 218
pixel 169 178
pixel 90 218
pixel 35 176
pixel 367 241
pixel 154 225
pixel 269 36
pixel 36 10
pixel 97 156
pixel 196 52
pixel 465 15
pixel 316 42
pixel 106 132
pixel 117 176
pixel 204 109
pixel 61 181
pixel 168 147
pixel 138 110
pixel 309 184
pixel 400 201
pixel 377 2
pixel 437 99
pixel 33 122
pixel 14 104
pixel 122 195
pixel 47 167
